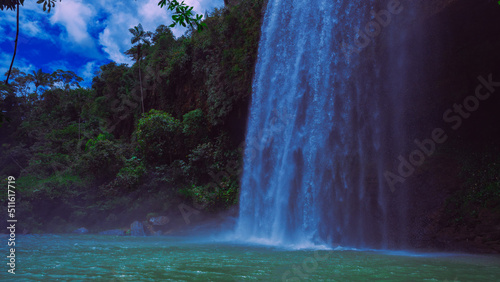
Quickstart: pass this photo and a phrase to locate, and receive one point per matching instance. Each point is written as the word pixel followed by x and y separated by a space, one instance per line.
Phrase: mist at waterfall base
pixel 326 121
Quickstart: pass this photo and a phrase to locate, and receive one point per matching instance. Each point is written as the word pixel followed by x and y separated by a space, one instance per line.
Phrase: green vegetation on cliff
pixel 91 157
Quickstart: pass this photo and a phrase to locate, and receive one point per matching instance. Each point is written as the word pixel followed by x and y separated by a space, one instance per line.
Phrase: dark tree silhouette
pixel 15 5
pixel 140 37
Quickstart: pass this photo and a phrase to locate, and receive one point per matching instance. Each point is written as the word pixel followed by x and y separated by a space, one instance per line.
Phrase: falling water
pixel 325 123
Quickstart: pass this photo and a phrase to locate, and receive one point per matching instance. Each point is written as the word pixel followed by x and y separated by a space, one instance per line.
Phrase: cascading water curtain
pixel 324 124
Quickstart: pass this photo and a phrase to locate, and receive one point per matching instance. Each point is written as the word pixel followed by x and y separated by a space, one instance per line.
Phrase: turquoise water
pixel 102 258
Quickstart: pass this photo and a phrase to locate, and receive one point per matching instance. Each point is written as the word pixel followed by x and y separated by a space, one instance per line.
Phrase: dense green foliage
pixel 481 191
pixel 90 157
pixel 11 4
pixel 183 14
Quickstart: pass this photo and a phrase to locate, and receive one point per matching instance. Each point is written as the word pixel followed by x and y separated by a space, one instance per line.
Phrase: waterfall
pixel 326 121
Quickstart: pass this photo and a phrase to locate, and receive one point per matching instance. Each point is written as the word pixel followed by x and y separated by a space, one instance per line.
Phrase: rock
pixel 81 230
pixel 137 229
pixel 478 240
pixel 113 232
pixel 148 228
pixel 159 220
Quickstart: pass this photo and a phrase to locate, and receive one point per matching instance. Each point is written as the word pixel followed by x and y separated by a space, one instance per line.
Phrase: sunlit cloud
pixel 112 44
pixel 74 16
pixel 30 26
pixel 87 72
pixel 21 63
pixel 95 30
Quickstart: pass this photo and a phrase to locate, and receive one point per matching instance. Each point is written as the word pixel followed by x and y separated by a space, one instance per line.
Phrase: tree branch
pixel 15 47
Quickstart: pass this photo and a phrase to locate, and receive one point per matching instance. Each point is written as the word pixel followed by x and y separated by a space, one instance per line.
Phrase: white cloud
pixel 56 65
pixel 112 19
pixel 110 42
pixel 20 63
pixel 74 16
pixel 115 38
pixel 151 12
pixel 199 7
pixel 87 72
pixel 81 26
pixel 30 26
pixel 4 63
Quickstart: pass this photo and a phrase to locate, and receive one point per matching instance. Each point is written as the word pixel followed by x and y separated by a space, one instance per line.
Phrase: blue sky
pixel 80 35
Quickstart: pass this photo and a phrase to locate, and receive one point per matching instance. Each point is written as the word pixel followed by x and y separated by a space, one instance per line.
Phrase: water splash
pixel 323 121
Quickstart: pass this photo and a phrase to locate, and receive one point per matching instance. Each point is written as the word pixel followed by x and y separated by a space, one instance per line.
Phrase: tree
pixel 21 82
pixel 140 37
pixel 183 14
pixel 10 4
pixel 159 136
pixel 5 91
pixel 40 78
pixel 67 79
pixel 15 4
pixel 17 36
pixel 163 31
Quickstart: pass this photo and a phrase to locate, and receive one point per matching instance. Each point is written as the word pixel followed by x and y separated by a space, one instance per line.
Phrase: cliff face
pixel 455 194
pixel 431 8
